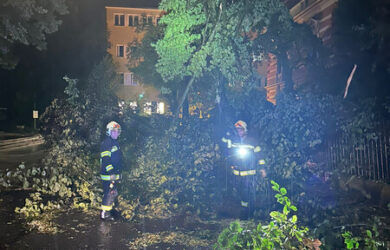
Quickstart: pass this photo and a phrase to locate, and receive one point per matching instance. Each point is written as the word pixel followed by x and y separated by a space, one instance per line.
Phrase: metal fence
pixel 370 158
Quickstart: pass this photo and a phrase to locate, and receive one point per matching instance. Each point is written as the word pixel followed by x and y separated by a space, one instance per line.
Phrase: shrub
pixel 282 232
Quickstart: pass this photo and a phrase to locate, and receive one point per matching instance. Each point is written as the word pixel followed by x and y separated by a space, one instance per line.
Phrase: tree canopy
pixel 27 22
pixel 73 50
pixel 201 36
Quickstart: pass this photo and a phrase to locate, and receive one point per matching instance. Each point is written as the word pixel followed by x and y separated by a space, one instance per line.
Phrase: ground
pixel 80 230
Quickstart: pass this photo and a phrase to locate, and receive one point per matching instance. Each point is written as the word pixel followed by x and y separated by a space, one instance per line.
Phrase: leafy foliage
pixel 203 36
pixel 371 240
pixel 282 232
pixel 28 23
pixel 211 34
pixel 71 90
pixel 72 131
pixel 290 132
pixel 177 167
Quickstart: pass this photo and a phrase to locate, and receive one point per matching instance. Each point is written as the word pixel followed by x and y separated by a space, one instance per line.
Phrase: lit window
pixel 160 108
pixel 120 50
pixel 148 108
pixel 133 105
pixel 119 20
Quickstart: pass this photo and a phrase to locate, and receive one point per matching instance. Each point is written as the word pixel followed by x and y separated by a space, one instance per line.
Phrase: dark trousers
pixel 246 190
pixel 110 192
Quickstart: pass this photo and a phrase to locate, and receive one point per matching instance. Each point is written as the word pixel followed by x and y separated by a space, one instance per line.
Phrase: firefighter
pixel 110 173
pixel 244 160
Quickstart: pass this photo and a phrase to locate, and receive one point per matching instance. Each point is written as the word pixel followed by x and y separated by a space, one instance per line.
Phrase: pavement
pixel 20 147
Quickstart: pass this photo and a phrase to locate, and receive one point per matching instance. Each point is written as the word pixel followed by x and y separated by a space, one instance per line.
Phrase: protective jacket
pixel 110 158
pixel 245 168
pixel 248 165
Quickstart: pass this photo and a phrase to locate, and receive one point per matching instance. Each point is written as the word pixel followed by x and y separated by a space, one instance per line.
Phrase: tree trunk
pixel 186 108
pixel 287 73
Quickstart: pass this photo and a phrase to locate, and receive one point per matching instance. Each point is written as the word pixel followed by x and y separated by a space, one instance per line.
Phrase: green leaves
pixel 202 36
pixel 182 160
pixel 281 232
pixel 350 242
pixel 71 90
pixel 177 47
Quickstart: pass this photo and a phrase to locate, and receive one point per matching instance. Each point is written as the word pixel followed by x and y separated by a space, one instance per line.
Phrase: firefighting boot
pixel 106 215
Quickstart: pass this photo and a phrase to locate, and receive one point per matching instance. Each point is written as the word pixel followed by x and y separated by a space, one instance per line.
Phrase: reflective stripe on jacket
pixel 110 157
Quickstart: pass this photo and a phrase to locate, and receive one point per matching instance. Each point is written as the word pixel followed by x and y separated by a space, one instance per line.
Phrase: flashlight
pixel 242 152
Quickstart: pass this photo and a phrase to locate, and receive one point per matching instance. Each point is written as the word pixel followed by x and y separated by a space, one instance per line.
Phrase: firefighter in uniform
pixel 110 173
pixel 244 161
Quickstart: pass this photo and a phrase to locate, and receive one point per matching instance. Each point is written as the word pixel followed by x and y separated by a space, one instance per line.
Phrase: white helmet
pixel 113 126
pixel 241 124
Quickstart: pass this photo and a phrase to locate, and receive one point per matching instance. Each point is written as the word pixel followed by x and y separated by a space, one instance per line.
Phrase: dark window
pixel 122 78
pixel 157 20
pixel 119 20
pixel 119 50
pixel 144 20
pixel 150 20
pixel 136 21
pixel 122 20
pixel 131 21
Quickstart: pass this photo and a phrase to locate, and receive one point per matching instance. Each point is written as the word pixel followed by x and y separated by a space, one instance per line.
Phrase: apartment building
pixel 122 19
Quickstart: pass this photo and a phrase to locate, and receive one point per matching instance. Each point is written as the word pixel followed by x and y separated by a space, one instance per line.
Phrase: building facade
pixel 317 14
pixel 122 19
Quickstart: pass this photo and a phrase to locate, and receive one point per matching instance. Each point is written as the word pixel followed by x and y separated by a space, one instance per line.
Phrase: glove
pixel 257 149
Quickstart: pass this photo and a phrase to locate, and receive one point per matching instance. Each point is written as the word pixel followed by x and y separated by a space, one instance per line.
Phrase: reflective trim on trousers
pixel 244 173
pixel 106 177
pixel 106 208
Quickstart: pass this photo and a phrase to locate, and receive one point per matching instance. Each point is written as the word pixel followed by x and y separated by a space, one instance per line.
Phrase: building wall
pixel 123 35
pixel 316 13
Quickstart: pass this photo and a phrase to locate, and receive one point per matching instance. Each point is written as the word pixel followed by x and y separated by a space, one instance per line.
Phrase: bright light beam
pixel 242 152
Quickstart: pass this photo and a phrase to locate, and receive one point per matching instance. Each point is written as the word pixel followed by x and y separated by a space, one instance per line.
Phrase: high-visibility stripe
pixel 244 173
pixel 249 172
pixel 106 177
pixel 261 162
pixel 106 208
pixel 244 204
pixel 105 153
pixel 245 146
pixel 109 167
pixel 113 149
